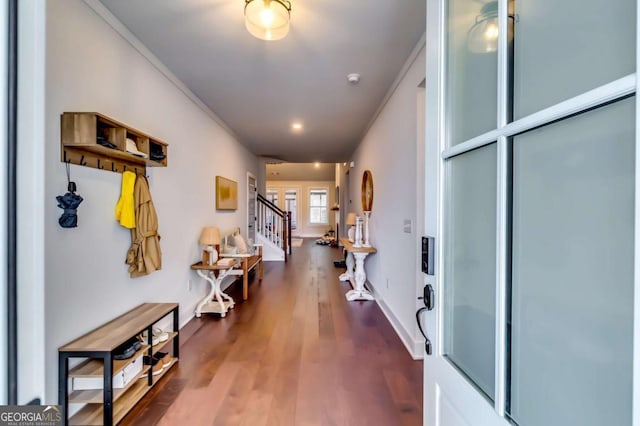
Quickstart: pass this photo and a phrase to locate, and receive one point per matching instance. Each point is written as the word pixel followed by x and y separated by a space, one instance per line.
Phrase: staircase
pixel 273 230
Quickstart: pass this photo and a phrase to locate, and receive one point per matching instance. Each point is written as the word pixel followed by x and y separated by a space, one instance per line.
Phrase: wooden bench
pixel 248 263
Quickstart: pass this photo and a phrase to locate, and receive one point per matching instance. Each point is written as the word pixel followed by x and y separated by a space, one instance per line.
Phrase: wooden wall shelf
pixel 80 135
pixel 107 406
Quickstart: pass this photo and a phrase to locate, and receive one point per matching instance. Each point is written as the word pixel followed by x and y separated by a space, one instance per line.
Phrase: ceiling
pixel 260 88
pixel 301 171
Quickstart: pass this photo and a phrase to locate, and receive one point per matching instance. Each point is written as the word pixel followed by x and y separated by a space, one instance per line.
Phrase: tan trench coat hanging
pixel 144 256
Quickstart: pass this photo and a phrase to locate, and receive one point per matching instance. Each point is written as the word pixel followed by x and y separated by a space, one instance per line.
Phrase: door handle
pixel 427 342
pixel 428 297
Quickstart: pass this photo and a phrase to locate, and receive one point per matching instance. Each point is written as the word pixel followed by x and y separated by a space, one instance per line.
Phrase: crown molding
pixel 104 13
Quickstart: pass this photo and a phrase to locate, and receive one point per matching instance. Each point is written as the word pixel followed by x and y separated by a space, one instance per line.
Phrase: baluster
pixel 280 231
pixel 270 226
pixel 274 227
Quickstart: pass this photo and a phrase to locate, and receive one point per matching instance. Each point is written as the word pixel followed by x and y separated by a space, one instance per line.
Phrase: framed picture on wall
pixel 226 194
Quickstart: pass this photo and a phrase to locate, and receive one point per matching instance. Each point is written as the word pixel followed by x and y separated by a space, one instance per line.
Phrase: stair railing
pixel 274 224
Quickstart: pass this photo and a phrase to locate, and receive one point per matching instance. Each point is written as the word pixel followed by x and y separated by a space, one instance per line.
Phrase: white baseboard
pixel 413 346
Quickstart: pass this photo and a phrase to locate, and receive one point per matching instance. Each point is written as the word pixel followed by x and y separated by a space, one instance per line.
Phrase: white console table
pixel 216 301
pixel 355 272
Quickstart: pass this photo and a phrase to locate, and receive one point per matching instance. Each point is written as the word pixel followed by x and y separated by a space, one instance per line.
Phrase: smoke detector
pixel 353 78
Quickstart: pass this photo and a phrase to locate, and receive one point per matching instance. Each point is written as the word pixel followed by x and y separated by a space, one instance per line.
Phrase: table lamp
pixel 351 220
pixel 209 239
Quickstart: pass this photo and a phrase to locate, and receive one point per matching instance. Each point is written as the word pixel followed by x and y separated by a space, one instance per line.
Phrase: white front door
pixel 531 138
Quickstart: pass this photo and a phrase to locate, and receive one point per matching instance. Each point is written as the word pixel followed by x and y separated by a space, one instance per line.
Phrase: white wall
pixel 262 175
pixel 389 150
pixel 90 67
pixel 304 228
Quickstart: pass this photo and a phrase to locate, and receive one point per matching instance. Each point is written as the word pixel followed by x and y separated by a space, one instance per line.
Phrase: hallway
pixel 295 353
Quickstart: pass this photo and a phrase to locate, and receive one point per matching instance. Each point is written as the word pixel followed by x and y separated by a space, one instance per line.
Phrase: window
pixel 272 196
pixel 318 201
pixel 291 205
pixel 532 218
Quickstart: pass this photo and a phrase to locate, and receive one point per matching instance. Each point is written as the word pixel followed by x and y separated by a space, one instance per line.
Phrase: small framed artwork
pixel 226 194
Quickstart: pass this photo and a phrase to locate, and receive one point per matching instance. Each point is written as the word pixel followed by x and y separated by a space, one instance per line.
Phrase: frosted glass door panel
pixel 470 265
pixel 572 287
pixel 564 48
pixel 471 75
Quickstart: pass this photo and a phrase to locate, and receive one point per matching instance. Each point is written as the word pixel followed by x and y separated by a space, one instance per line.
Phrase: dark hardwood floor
pixel 295 353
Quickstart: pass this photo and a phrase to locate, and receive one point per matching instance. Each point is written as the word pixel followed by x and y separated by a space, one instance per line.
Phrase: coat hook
pixel 125 168
pixel 99 166
pixel 112 166
pixel 82 163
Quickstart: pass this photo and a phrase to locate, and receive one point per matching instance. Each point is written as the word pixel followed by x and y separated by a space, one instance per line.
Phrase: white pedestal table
pixel 355 272
pixel 216 301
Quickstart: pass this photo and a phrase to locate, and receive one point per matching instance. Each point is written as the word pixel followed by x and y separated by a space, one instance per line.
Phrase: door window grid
pixel 614 145
pixel 272 196
pixel 610 92
pixel 318 206
pixel 291 205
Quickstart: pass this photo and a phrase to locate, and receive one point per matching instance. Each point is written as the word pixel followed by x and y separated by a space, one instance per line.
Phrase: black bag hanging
pixel 69 202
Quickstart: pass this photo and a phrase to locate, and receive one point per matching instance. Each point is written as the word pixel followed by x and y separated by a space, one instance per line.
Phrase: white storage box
pixel 132 369
pixel 120 380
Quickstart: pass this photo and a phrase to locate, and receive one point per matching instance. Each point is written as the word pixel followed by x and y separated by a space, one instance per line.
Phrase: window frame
pixel 325 207
pixel 294 213
pixel 502 135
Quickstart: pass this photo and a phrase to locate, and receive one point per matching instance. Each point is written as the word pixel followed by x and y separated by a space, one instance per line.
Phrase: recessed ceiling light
pixel 317 165
pixel 296 126
pixel 353 78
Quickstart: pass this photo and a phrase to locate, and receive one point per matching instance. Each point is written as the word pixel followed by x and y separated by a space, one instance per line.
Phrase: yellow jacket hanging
pixel 125 209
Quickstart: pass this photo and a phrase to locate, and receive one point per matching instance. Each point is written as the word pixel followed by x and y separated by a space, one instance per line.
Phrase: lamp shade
pixel 267 19
pixel 351 218
pixel 210 236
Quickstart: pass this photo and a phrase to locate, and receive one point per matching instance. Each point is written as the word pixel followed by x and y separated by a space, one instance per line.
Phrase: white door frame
pixel 442 380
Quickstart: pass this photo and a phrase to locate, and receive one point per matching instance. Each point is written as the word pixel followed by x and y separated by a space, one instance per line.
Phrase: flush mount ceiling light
pixel 297 126
pixel 483 35
pixel 267 19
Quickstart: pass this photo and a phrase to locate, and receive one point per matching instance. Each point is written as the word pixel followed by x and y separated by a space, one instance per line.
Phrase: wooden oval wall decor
pixel 367 191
